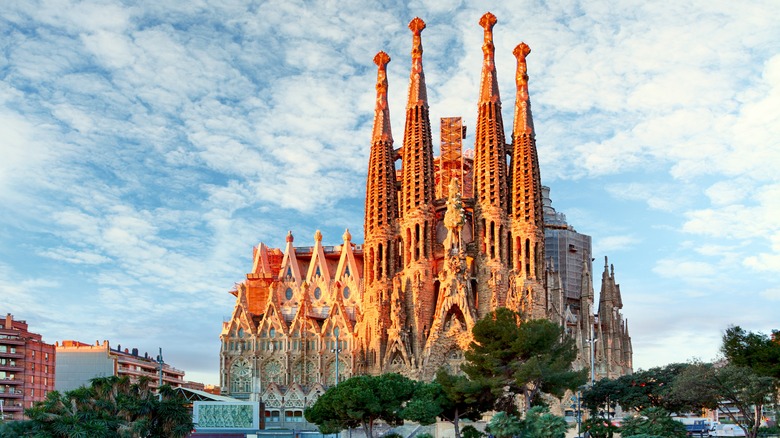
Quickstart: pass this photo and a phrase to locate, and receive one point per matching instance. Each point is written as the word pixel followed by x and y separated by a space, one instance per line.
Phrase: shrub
pixel 469 432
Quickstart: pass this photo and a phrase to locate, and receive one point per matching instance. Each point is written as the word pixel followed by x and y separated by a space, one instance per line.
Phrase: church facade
pixel 448 239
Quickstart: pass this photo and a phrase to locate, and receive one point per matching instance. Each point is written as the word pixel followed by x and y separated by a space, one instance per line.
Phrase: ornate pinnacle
pixel 381 59
pixel 347 236
pixel 416 26
pixel 487 22
pixel 524 123
pixel 289 236
pixel 417 92
pixel 489 84
pixel 382 116
pixel 318 236
pixel 521 51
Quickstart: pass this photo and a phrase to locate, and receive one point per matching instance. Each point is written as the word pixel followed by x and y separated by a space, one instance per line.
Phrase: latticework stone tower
pixel 381 225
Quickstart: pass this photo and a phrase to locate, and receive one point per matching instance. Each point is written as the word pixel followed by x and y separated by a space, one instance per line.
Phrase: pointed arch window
pixel 346 270
pixel 317 271
pixel 240 376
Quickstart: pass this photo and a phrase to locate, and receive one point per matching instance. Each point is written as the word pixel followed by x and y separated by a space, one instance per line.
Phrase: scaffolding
pixel 451 163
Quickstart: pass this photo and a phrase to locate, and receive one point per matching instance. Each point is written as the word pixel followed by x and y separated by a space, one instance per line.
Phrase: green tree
pixel 360 401
pixel 450 398
pixel 109 407
pixel 540 423
pixel 521 358
pixel 598 427
pixel 754 350
pixel 470 432
pixel 641 390
pixel 603 393
pixel 738 392
pixel 653 421
pixel 504 425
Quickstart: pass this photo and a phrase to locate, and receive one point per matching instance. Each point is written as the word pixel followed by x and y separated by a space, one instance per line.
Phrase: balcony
pixel 9 355
pixel 154 375
pixel 12 340
pixel 11 394
pixel 16 367
pixel 12 407
pixel 11 382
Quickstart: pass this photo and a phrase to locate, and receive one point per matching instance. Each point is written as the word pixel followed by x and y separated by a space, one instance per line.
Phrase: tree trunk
pixel 368 429
pixel 455 425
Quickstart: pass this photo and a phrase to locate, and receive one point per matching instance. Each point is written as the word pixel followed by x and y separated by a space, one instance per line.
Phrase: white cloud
pixel 158 142
pixel 609 244
pixel 690 271
pixel 771 294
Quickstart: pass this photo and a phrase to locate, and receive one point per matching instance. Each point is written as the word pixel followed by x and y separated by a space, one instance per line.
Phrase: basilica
pixel 447 239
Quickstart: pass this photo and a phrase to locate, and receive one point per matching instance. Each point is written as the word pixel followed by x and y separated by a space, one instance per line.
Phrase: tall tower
pixel 417 195
pixel 380 248
pixel 527 214
pixel 490 184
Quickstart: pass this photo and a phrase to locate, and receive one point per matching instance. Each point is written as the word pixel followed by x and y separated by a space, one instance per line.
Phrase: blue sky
pixel 145 147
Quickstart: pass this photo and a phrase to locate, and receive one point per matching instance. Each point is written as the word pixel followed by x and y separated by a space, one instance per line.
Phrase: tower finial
pixel 489 83
pixel 524 123
pixel 382 129
pixel 417 90
pixel 487 22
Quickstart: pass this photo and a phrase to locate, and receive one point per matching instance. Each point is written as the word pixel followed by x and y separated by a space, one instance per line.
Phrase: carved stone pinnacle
pixel 521 51
pixel 381 59
pixel 488 21
pixel 416 25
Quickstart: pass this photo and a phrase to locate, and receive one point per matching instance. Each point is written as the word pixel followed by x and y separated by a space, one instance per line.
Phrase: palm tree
pixel 110 407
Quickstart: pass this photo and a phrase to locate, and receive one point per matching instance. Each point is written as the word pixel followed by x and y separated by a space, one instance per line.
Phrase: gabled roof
pixel 198 395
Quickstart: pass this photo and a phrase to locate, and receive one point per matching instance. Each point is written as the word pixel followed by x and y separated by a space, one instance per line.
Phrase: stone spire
pixel 417 186
pixel 417 195
pixel 381 215
pixel 418 94
pixel 524 123
pixel 417 190
pixel 382 130
pixel 490 182
pixel 490 186
pixel 526 210
pixel 381 208
pixel 488 89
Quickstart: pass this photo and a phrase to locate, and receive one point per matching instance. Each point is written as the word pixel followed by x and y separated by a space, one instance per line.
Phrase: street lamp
pixel 577 397
pixel 161 363
pixel 592 343
pixel 336 350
